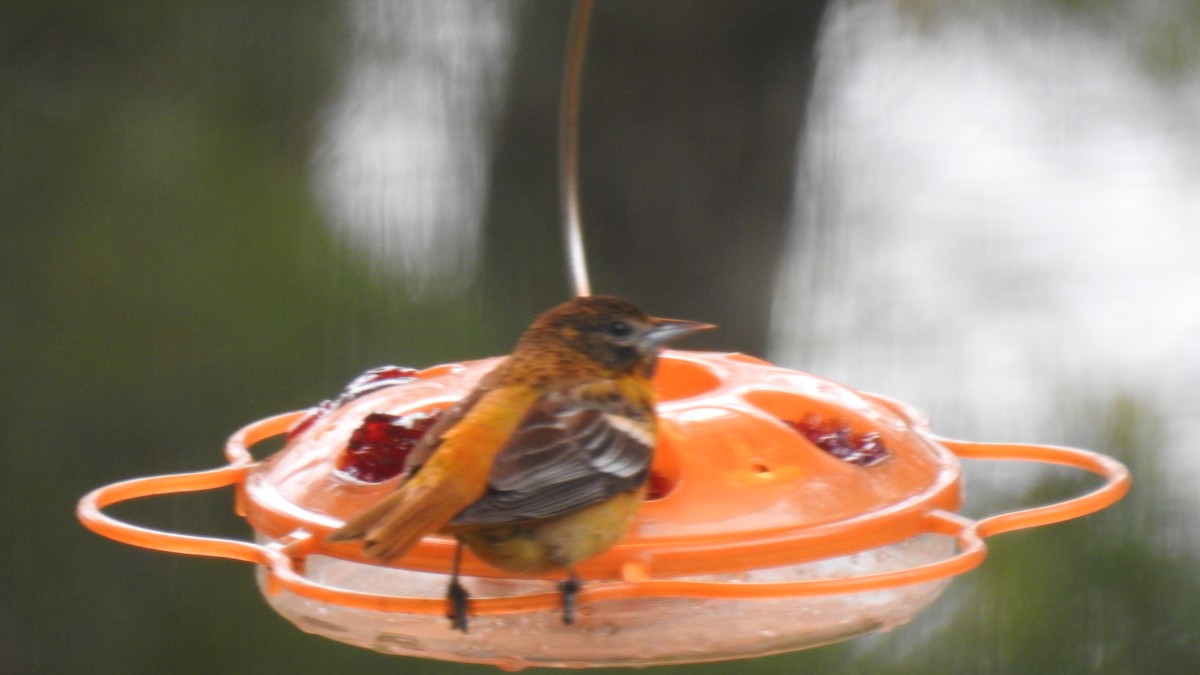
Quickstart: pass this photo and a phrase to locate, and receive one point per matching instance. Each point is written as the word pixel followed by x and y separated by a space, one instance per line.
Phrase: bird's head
pixel 611 331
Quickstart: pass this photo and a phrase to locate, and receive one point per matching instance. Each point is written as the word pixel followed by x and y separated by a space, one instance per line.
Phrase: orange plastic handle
pixel 283 567
pixel 1116 485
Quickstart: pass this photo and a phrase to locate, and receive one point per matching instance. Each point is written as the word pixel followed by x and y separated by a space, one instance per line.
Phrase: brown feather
pixel 555 432
pixel 416 511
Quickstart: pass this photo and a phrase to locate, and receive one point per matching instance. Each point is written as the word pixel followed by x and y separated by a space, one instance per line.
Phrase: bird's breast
pixel 555 543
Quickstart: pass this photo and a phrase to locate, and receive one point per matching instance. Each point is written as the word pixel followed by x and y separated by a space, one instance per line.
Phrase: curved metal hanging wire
pixel 568 145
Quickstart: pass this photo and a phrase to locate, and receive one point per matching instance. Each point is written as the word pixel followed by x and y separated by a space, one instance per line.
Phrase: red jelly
pixel 657 486
pixel 379 448
pixel 376 378
pixel 838 439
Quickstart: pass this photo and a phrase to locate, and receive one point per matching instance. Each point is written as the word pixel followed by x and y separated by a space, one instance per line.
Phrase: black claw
pixel 568 588
pixel 458 597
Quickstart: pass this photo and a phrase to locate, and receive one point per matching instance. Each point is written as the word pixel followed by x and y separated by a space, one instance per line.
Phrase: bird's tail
pixel 396 523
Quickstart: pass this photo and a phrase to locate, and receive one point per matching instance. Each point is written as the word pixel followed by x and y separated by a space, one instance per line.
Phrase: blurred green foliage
pixel 166 278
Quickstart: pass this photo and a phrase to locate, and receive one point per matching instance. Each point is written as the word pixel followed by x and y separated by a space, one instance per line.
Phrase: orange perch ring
pixel 747 509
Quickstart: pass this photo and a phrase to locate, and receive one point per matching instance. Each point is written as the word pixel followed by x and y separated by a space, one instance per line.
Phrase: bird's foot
pixel 569 588
pixel 458 598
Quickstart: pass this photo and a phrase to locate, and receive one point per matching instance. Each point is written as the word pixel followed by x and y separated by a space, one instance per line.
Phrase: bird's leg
pixel 456 595
pixel 569 587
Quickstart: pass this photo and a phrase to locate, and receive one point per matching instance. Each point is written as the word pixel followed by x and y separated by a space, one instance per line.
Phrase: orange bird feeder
pixel 784 512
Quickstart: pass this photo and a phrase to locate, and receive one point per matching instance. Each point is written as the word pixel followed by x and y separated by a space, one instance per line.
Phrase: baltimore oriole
pixel 545 462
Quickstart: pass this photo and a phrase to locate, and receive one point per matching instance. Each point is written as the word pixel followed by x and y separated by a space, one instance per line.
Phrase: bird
pixel 545 462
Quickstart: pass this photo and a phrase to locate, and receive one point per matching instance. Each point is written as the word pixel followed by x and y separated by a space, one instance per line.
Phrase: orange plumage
pixel 545 462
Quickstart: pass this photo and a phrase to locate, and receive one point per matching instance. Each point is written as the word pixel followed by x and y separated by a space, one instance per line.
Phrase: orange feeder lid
pixel 786 511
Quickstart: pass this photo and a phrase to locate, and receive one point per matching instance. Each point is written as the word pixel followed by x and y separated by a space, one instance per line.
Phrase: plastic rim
pixel 636 576
pixel 745 489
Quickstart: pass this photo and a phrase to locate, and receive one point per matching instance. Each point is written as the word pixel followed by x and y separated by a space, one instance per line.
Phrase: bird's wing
pixel 565 455
pixel 392 525
pixel 432 438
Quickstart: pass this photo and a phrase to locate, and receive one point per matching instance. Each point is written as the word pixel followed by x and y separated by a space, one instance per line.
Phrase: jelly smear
pixel 836 438
pixel 376 378
pixel 380 447
pixel 658 486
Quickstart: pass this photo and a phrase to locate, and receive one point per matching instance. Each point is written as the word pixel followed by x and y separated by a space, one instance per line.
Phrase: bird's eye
pixel 618 329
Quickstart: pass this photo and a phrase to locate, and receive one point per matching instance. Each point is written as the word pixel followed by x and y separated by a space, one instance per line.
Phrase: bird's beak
pixel 669 330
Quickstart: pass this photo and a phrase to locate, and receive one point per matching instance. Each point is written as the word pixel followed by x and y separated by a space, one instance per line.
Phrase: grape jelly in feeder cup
pixel 784 511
